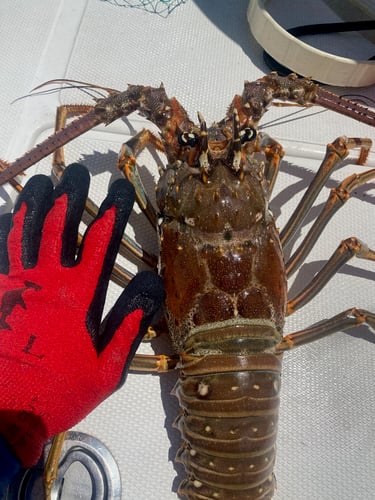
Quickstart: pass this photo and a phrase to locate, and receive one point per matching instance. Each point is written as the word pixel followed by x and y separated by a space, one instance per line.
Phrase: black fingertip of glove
pixel 121 195
pixel 37 195
pixel 74 183
pixel 146 292
pixel 5 224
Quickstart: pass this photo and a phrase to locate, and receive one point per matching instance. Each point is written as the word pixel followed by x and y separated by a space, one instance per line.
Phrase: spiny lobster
pixel 221 259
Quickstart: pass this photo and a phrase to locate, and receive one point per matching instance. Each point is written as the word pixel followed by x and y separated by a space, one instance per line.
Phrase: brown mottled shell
pixel 221 259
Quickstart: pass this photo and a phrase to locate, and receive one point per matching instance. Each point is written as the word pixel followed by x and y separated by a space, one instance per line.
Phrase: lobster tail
pixel 229 424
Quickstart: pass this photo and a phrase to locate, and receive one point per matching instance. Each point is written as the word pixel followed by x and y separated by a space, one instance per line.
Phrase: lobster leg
pixel 62 114
pixel 153 363
pixel 336 200
pixel 274 153
pixel 335 153
pixel 52 464
pixel 128 165
pixel 351 247
pixel 342 321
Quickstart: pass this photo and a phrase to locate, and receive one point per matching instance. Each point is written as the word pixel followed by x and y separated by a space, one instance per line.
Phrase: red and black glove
pixel 58 361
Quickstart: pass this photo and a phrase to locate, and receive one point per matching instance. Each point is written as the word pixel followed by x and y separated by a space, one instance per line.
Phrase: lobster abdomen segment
pixel 229 425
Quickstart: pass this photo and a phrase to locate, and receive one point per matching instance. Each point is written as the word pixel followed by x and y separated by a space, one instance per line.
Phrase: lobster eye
pixel 188 139
pixel 247 134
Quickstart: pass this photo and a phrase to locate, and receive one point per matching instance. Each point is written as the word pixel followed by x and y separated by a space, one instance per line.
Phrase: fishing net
pixel 160 7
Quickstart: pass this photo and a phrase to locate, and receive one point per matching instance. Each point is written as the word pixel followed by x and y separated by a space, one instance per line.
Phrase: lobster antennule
pixel 79 84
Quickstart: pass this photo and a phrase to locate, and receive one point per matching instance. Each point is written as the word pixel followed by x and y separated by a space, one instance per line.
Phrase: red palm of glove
pixel 55 368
